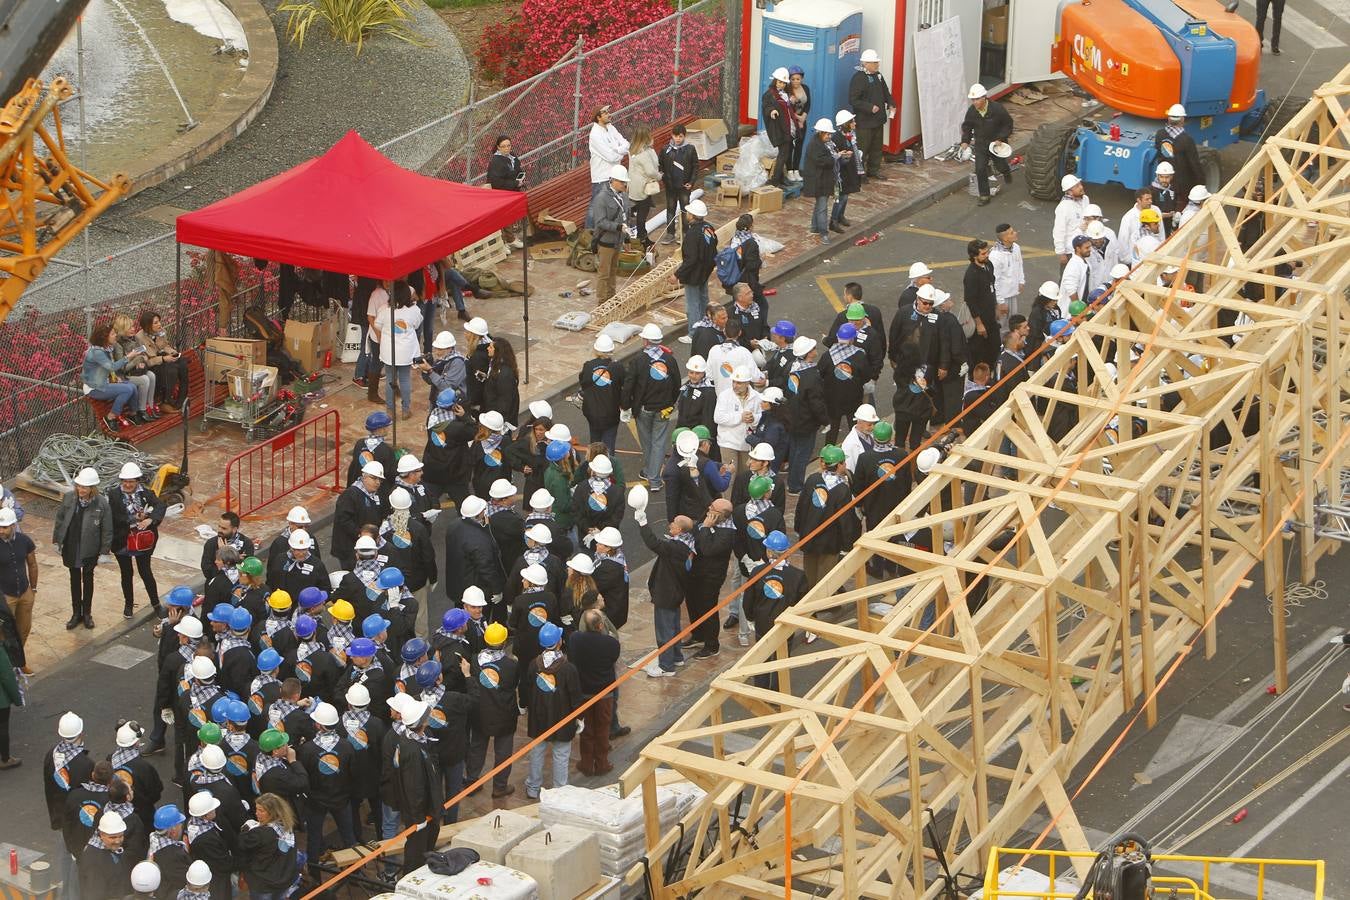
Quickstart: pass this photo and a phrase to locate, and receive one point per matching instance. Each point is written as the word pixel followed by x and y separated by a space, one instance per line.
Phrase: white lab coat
pixel 1068 219
pixel 853 448
pixel 1145 244
pixel 608 148
pixel 726 358
pixel 1074 284
pixel 1101 262
pixel 1009 276
pixel 731 431
pixel 1130 229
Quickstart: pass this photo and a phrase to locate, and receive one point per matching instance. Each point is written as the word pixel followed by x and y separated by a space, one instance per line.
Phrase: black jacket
pixel 528 613
pixel 1184 156
pixel 354 508
pixel 417 561
pixel 704 338
pixel 651 384
pixel 231 813
pixel 818 171
pixel 866 91
pixel 83 807
pixel 871 338
pixel 55 785
pixel 471 558
pixel 740 488
pixel 601 384
pixel 555 692
pixel 505 172
pixel 594 654
pixel 213 848
pixel 754 321
pixel 267 864
pixel 612 580
pixel 288 782
pixel 850 179
pixel 382 453
pixel 679 166
pixel 147 787
pixel 590 510
pixel 698 253
pixel 279 549
pixel 776 128
pixel 497 690
pixel 121 523
pixel 714 546
pixel 696 405
pixel 366 764
pixel 767 598
pixel 446 458
pixel 449 724
pixel 750 533
pixel 246 549
pixel 173 861
pixel 981 130
pixel 501 391
pixel 332 773
pixel 815 504
pixel 978 289
pixel 104 875
pixel 418 780
pixel 843 381
pixel 873 466
pixel 507 528
pixel 805 400
pixel 311 572
pixel 668 582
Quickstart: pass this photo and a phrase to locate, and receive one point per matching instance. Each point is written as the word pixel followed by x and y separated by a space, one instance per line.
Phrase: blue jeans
pixel 457 285
pixel 607 436
pixel 667 623
pixel 596 188
pixel 820 217
pixel 362 358
pixel 561 751
pixel 654 436
pixel 119 392
pixel 404 374
pixel 800 449
pixel 840 206
pixel 695 303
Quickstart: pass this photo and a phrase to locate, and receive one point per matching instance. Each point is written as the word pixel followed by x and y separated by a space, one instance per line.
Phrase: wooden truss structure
pixel 649 288
pixel 1098 559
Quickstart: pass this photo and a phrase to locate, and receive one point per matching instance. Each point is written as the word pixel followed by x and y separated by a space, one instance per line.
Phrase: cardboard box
pixel 726 162
pixel 231 353
pixel 766 199
pixel 995 26
pixel 307 342
pixel 708 137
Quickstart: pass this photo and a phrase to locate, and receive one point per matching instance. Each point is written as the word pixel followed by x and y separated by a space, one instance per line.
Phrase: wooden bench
pixel 167 421
pixel 564 198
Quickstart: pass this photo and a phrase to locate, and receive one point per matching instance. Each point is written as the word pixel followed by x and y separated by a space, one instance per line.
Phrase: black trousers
pixel 909 430
pixel 676 198
pixel 701 598
pixel 1278 13
pixel 869 142
pixel 502 747
pixel 642 210
pixel 782 164
pixel 171 381
pixel 147 577
pixel 4 733
pixel 983 159
pixel 82 590
pixel 418 845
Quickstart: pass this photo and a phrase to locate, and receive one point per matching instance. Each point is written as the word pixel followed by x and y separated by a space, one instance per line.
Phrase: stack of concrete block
pixel 496 834
pixel 563 859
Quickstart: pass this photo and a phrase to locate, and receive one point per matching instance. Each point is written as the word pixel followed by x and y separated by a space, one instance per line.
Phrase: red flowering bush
pixel 543 31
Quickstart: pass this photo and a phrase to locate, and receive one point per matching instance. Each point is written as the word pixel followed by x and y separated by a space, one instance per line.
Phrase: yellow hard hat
pixel 279 600
pixel 1149 215
pixel 342 611
pixel 495 635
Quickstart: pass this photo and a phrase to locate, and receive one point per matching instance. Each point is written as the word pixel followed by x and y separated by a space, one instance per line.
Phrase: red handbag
pixel 140 541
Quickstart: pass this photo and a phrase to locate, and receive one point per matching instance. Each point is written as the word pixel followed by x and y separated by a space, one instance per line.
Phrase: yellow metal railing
pixel 1058 865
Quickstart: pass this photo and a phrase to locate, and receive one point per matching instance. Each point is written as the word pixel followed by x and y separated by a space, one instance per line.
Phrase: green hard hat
pixel 1077 308
pixel 831 455
pixel 251 566
pixel 883 431
pixel 703 433
pixel 855 312
pixel 271 739
pixel 759 486
pixel 675 435
pixel 209 733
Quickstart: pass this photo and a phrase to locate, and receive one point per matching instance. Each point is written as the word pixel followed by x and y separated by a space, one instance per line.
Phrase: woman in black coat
pixel 775 111
pixel 850 168
pixel 136 514
pixel 265 855
pixel 506 174
pixel 501 390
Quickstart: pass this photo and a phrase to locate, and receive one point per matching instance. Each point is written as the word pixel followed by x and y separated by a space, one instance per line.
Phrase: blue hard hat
pixel 454 619
pixel 167 816
pixel 847 332
pixel 1096 295
pixel 556 450
pixel 1059 326
pixel 446 398
pixel 361 647
pixel 270 659
pixel 377 420
pixel 311 597
pixel 427 673
pixel 776 541
pixel 414 648
pixel 220 613
pixel 238 711
pixel 785 329
pixel 374 624
pixel 305 626
pixel 549 635
pixel 182 596
pixel 220 710
pixel 241 619
pixel 390 577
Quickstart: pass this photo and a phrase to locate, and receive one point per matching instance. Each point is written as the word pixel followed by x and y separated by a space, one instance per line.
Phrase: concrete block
pixel 564 860
pixel 494 835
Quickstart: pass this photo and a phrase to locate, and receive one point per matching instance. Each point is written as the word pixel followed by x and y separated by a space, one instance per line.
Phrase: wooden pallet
pixel 651 289
pixel 485 254
pixel 39 488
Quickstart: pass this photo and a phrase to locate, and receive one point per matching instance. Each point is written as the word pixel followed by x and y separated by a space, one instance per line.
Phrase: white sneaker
pixel 519 245
pixel 653 670
pixel 686 339
pixel 743 640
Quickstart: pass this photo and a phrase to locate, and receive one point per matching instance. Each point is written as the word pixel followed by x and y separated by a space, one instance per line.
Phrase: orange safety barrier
pixel 298 456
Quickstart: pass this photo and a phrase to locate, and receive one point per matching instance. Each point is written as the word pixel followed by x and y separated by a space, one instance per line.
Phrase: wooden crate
pixel 485 254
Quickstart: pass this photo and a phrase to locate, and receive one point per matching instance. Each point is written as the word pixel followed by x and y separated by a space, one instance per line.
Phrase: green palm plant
pixel 349 21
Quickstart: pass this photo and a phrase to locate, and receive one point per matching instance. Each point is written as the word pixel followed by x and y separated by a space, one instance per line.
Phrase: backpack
pixel 728 262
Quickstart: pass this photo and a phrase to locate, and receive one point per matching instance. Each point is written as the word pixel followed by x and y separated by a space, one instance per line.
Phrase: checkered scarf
pixel 841 351
pixel 65 751
pixel 354 720
pixel 756 508
pixel 326 740
pixel 159 840
pixel 265 763
pixel 280 709
pixel 123 755
pixel 196 827
pixel 200 693
pixel 235 740
pixel 535 555
pixel 340 635
pixel 96 842
pixel 831 480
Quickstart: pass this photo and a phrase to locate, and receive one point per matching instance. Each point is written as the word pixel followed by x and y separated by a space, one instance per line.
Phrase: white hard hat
pixel 825 126
pixel 696 364
pixel 541 409
pixel 539 533
pixel 87 477
pixel 869 56
pixel 1165 168
pixel 582 563
pixel 477 325
pixel 112 823
pixel 8 518
pixel 696 208
pixel 618 173
pixel 189 627
pixel 408 463
pixel 202 668
pixel 130 472
pixel 1069 181
pixel 300 540
pixel 70 726
pixel 772 394
pixel 358 695
pixel 325 714
pixel 213 758
pixel 1198 194
pixel 473 596
pixel 1001 149
pixel 203 802
pixel 535 574
pixel 398 702
pixel 651 331
pixel 843 117
pixel 1092 211
pixel 298 516
pixel 127 736
pixel 492 421
pixel 400 499
pixel 610 537
pixel 1049 289
pixel 762 452
pixel 638 497
pixel 145 874
pixel 199 873
pixel 802 346
pixel 501 489
pixel 335 579
pixel 1119 270
pixel 1095 230
pixel 866 413
pixel 919 270
pixel 976 92
pixel 929 292
pixel 602 466
pixel 365 542
pixel 541 499
pixel 471 506
pixel 413 712
pixel 1176 111
pixel 374 468
pixel 604 344
pixel 687 443
pixel 741 373
pixel 780 74
pixel 928 457
pixel 443 341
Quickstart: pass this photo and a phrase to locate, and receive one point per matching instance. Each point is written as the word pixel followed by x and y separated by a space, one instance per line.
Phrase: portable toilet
pixel 824 37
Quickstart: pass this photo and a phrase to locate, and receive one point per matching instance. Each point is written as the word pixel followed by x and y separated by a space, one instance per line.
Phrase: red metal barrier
pixel 295 458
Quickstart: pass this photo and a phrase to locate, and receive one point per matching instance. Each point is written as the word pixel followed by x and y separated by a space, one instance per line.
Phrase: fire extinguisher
pixel 1115 131
pixel 328 359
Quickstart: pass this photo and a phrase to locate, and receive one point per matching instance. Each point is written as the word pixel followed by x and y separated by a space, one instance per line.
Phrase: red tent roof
pixel 353 211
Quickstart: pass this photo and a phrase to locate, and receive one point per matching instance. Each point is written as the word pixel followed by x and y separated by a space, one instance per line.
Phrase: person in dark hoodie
pixel 806 409
pixel 365 734
pixel 329 761
pixel 825 493
pixel 554 694
pixel 408 543
pixel 601 385
pixel 668 585
pixel 496 688
pixel 714 542
pixel 820 177
pixel 872 103
pixel 779 586
pixel 266 855
pixel 208 843
pixel 697 262
pixel 418 780
pixel 650 392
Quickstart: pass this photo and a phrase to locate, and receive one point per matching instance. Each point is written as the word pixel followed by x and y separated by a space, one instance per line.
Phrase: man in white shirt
pixel 1093 213
pixel 608 148
pixel 1076 280
pixel 1194 200
pixel 730 355
pixel 1129 223
pixel 859 439
pixel 1104 255
pixel 737 413
pixel 1069 215
pixel 1009 277
pixel 1150 235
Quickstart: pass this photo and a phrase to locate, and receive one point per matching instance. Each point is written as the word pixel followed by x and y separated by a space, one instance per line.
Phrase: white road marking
pixel 1293 809
pixel 1305 29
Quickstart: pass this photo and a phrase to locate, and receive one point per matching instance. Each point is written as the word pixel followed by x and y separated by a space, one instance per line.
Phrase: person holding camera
pixel 506 174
